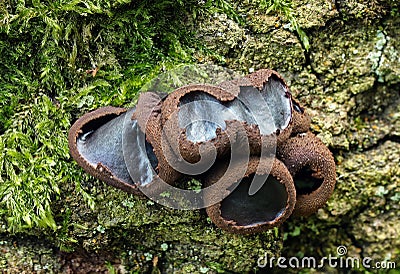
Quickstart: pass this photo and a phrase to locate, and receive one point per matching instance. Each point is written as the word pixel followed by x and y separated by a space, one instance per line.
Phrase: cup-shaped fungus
pixel 193 118
pixel 107 142
pixel 241 122
pixel 277 94
pixel 275 99
pixel 312 166
pixel 242 213
pixel 196 118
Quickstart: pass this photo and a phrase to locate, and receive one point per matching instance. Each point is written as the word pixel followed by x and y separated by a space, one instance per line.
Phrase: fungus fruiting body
pixel 189 123
pixel 107 143
pixel 148 116
pixel 247 140
pixel 312 166
pixel 278 97
pixel 301 119
pixel 97 150
pixel 242 213
pixel 198 114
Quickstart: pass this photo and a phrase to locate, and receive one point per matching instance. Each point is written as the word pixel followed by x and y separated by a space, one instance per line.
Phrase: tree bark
pixel 348 80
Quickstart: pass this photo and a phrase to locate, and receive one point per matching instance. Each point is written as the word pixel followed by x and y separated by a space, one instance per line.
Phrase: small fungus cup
pixel 242 213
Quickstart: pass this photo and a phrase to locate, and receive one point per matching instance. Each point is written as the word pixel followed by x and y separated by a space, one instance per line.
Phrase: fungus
pixel 301 119
pixel 199 115
pixel 277 94
pixel 312 166
pixel 190 124
pixel 276 98
pixel 96 154
pixel 242 213
pixel 144 146
pixel 107 142
pixel 148 115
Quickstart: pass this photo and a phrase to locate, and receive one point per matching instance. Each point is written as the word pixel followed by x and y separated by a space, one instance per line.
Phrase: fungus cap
pixel 199 115
pixel 275 94
pixel 312 166
pixel 107 142
pixel 148 115
pixel 242 213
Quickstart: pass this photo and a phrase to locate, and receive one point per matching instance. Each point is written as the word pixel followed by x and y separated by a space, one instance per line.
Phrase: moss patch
pixel 60 60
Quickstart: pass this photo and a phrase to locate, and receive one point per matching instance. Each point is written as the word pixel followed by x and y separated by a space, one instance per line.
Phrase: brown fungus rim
pixel 224 92
pixel 172 132
pixel 172 101
pixel 261 76
pixel 306 151
pixel 148 115
pixel 258 79
pixel 279 172
pixel 100 171
pixel 301 118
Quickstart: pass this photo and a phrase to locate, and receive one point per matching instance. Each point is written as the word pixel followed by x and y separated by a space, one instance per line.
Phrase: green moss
pixel 47 51
pixel 60 60
pixel 33 163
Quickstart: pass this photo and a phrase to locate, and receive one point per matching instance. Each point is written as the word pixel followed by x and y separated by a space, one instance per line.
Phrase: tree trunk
pixel 348 80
